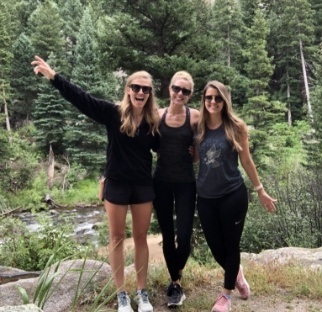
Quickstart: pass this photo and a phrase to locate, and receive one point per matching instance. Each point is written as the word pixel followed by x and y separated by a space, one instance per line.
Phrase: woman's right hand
pixel 42 67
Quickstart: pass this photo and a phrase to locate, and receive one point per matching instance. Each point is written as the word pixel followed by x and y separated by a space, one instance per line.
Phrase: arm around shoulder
pixel 194 116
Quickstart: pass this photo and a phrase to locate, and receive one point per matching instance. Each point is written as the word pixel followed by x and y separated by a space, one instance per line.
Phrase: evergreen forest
pixel 269 52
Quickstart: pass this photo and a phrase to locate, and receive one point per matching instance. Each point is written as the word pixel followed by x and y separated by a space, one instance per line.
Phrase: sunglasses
pixel 136 88
pixel 184 91
pixel 217 98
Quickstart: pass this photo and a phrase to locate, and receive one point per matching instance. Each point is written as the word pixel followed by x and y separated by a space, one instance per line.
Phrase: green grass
pixel 85 192
pixel 270 284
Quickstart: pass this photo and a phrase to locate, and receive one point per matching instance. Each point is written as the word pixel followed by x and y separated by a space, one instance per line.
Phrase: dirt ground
pixel 254 304
pixel 280 303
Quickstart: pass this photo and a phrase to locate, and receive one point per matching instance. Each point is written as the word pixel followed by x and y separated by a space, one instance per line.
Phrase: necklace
pixel 138 120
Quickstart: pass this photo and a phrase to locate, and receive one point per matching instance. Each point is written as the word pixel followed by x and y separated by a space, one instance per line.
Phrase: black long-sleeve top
pixel 129 159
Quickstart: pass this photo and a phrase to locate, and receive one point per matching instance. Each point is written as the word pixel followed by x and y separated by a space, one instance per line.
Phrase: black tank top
pixel 174 162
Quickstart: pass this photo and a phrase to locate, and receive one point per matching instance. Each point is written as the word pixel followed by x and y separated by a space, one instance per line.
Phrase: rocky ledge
pixel 71 272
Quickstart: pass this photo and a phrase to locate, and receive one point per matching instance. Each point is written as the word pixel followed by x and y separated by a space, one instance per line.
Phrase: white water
pixel 85 220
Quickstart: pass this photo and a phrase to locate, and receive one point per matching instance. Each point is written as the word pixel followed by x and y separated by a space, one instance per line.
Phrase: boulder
pixel 21 308
pixel 65 284
pixel 8 275
pixel 309 258
pixel 69 272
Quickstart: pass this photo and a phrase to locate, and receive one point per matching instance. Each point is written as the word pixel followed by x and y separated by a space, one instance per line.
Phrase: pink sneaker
pixel 242 285
pixel 222 304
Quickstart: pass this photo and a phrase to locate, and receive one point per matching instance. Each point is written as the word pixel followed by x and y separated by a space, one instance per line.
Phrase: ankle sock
pixel 227 296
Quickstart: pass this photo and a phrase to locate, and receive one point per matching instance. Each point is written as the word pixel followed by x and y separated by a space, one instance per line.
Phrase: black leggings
pixel 222 220
pixel 176 233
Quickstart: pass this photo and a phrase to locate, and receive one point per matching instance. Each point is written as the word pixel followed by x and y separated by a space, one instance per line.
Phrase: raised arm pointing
pixel 42 67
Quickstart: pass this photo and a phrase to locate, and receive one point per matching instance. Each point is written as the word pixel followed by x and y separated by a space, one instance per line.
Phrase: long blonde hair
pixel 150 113
pixel 235 128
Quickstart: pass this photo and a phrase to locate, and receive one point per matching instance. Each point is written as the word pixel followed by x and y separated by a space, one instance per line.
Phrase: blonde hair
pixel 150 113
pixel 184 75
pixel 235 128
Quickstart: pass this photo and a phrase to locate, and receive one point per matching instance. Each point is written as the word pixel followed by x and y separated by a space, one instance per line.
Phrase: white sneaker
pixel 124 302
pixel 142 300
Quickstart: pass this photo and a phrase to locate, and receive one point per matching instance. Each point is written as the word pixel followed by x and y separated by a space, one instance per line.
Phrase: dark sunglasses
pixel 136 88
pixel 184 91
pixel 217 98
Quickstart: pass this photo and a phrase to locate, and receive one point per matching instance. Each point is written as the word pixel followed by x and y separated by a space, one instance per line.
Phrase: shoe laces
pixel 122 299
pixel 222 300
pixel 176 291
pixel 144 296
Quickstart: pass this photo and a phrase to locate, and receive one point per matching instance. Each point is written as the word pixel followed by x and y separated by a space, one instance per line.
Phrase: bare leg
pixel 116 216
pixel 141 218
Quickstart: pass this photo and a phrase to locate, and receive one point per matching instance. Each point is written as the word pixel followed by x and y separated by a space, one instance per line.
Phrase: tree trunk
pixel 288 96
pixel 51 168
pixel 7 116
pixel 306 85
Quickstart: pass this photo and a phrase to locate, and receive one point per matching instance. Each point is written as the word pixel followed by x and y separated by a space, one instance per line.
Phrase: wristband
pixel 259 187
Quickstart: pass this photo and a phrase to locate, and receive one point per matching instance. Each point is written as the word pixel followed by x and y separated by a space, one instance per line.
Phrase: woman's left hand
pixel 267 201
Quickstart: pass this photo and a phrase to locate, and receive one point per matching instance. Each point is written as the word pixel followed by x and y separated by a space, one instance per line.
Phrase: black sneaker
pixel 169 291
pixel 175 295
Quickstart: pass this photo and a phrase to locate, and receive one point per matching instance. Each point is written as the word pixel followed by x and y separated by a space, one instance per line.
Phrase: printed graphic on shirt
pixel 212 156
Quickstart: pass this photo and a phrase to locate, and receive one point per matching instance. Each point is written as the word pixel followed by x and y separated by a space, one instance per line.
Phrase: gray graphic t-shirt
pixel 218 166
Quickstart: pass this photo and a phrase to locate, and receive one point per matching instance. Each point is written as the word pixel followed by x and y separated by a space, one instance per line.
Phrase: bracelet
pixel 259 187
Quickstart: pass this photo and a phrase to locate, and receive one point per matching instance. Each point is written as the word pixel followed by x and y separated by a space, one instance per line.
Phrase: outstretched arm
pixel 247 163
pixel 42 67
pixel 96 109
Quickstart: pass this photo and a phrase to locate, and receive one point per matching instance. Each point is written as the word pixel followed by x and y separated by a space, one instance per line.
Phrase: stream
pixel 86 220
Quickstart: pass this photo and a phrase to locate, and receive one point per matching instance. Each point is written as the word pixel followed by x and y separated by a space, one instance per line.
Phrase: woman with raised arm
pixel 222 203
pixel 132 131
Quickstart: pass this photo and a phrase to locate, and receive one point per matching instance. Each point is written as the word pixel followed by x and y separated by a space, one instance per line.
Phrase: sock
pixel 227 296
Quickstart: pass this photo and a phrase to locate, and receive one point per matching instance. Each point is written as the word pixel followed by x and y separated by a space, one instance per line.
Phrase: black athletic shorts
pixel 126 194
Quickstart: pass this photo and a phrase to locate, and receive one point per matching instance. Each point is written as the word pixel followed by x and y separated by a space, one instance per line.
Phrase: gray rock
pixel 22 308
pixel 8 274
pixel 309 258
pixel 64 286
pixel 69 272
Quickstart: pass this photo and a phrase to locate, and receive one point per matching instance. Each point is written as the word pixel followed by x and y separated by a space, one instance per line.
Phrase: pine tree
pixel 317 9
pixel 258 66
pixel 5 60
pixel 260 112
pixel 71 12
pixel 49 115
pixel 248 8
pixel 24 9
pixel 46 33
pixel 313 141
pixel 6 154
pixel 291 26
pixel 23 80
pixel 86 139
pixel 228 39
pixel 228 26
pixel 158 36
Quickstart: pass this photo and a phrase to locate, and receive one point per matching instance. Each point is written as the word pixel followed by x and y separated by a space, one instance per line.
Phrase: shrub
pixel 31 250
